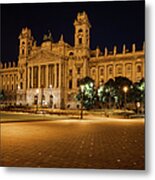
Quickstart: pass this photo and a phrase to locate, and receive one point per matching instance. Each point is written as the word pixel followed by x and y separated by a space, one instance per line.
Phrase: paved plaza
pixel 52 141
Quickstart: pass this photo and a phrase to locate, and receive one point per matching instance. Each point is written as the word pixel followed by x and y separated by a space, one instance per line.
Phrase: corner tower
pixel 25 46
pixel 25 43
pixel 82 31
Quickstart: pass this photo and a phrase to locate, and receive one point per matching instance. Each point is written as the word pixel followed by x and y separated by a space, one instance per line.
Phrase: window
pixel 78 70
pixel 80 31
pixel 110 70
pixel 70 72
pixel 71 54
pixel 119 70
pixel 139 68
pixel 22 51
pixel 102 71
pixel 29 51
pixel 23 43
pixel 129 68
pixel 102 81
pixel 78 82
pixel 35 99
pixel 21 85
pixel 93 72
pixel 70 84
pixel 80 40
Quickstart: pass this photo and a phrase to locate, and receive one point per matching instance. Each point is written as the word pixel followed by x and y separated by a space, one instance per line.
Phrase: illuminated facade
pixel 50 73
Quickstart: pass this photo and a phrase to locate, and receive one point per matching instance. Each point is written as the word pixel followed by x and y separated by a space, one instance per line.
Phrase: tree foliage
pixel 111 94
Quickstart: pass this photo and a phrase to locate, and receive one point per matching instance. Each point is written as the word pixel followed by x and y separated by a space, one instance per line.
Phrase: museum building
pixel 50 73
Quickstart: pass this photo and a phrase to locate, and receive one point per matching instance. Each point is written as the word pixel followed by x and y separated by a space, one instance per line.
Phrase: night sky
pixel 113 23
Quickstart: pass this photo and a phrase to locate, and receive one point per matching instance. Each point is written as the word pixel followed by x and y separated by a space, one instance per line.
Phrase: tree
pixel 87 95
pixel 138 93
pixel 111 93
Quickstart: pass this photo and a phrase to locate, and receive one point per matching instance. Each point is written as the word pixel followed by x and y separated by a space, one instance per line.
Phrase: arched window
pixel 101 71
pixel 110 70
pixel 128 68
pixel 80 30
pixel 80 40
pixel 139 68
pixel 71 54
pixel 119 70
pixel 22 51
pixel 93 71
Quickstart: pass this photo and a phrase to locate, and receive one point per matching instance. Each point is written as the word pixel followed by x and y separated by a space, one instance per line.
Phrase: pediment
pixel 43 55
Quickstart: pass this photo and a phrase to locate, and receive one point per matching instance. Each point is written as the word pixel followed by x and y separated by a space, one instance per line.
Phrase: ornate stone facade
pixel 51 72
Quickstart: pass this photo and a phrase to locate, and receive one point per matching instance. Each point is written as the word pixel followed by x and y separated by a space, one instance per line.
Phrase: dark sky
pixel 113 23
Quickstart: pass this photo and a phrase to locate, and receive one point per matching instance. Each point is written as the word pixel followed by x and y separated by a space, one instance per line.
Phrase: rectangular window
pixel 78 70
pixel 21 85
pixel 70 84
pixel 70 72
pixel 80 40
pixel 78 82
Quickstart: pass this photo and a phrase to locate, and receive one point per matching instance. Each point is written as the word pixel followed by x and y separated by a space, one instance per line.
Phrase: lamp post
pixel 138 106
pixel 125 89
pixel 37 92
pixel 82 91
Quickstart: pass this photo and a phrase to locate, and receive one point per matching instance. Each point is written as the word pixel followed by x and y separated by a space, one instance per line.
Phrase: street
pixel 73 143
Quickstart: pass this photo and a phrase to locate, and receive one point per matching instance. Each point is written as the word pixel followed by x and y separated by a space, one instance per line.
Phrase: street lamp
pixel 37 92
pixel 138 106
pixel 125 89
pixel 82 91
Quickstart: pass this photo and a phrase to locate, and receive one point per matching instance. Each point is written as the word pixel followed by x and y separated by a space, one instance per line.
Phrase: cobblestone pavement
pixel 110 144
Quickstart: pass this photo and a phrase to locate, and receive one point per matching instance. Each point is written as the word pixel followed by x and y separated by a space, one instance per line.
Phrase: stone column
pixel 59 75
pixel 46 75
pixel 133 72
pixel 55 75
pixel 39 69
pixel 28 78
pixel 124 70
pixel 32 77
pixel 97 75
pixel 114 70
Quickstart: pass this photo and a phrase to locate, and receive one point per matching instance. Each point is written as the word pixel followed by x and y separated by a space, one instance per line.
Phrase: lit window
pixel 119 70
